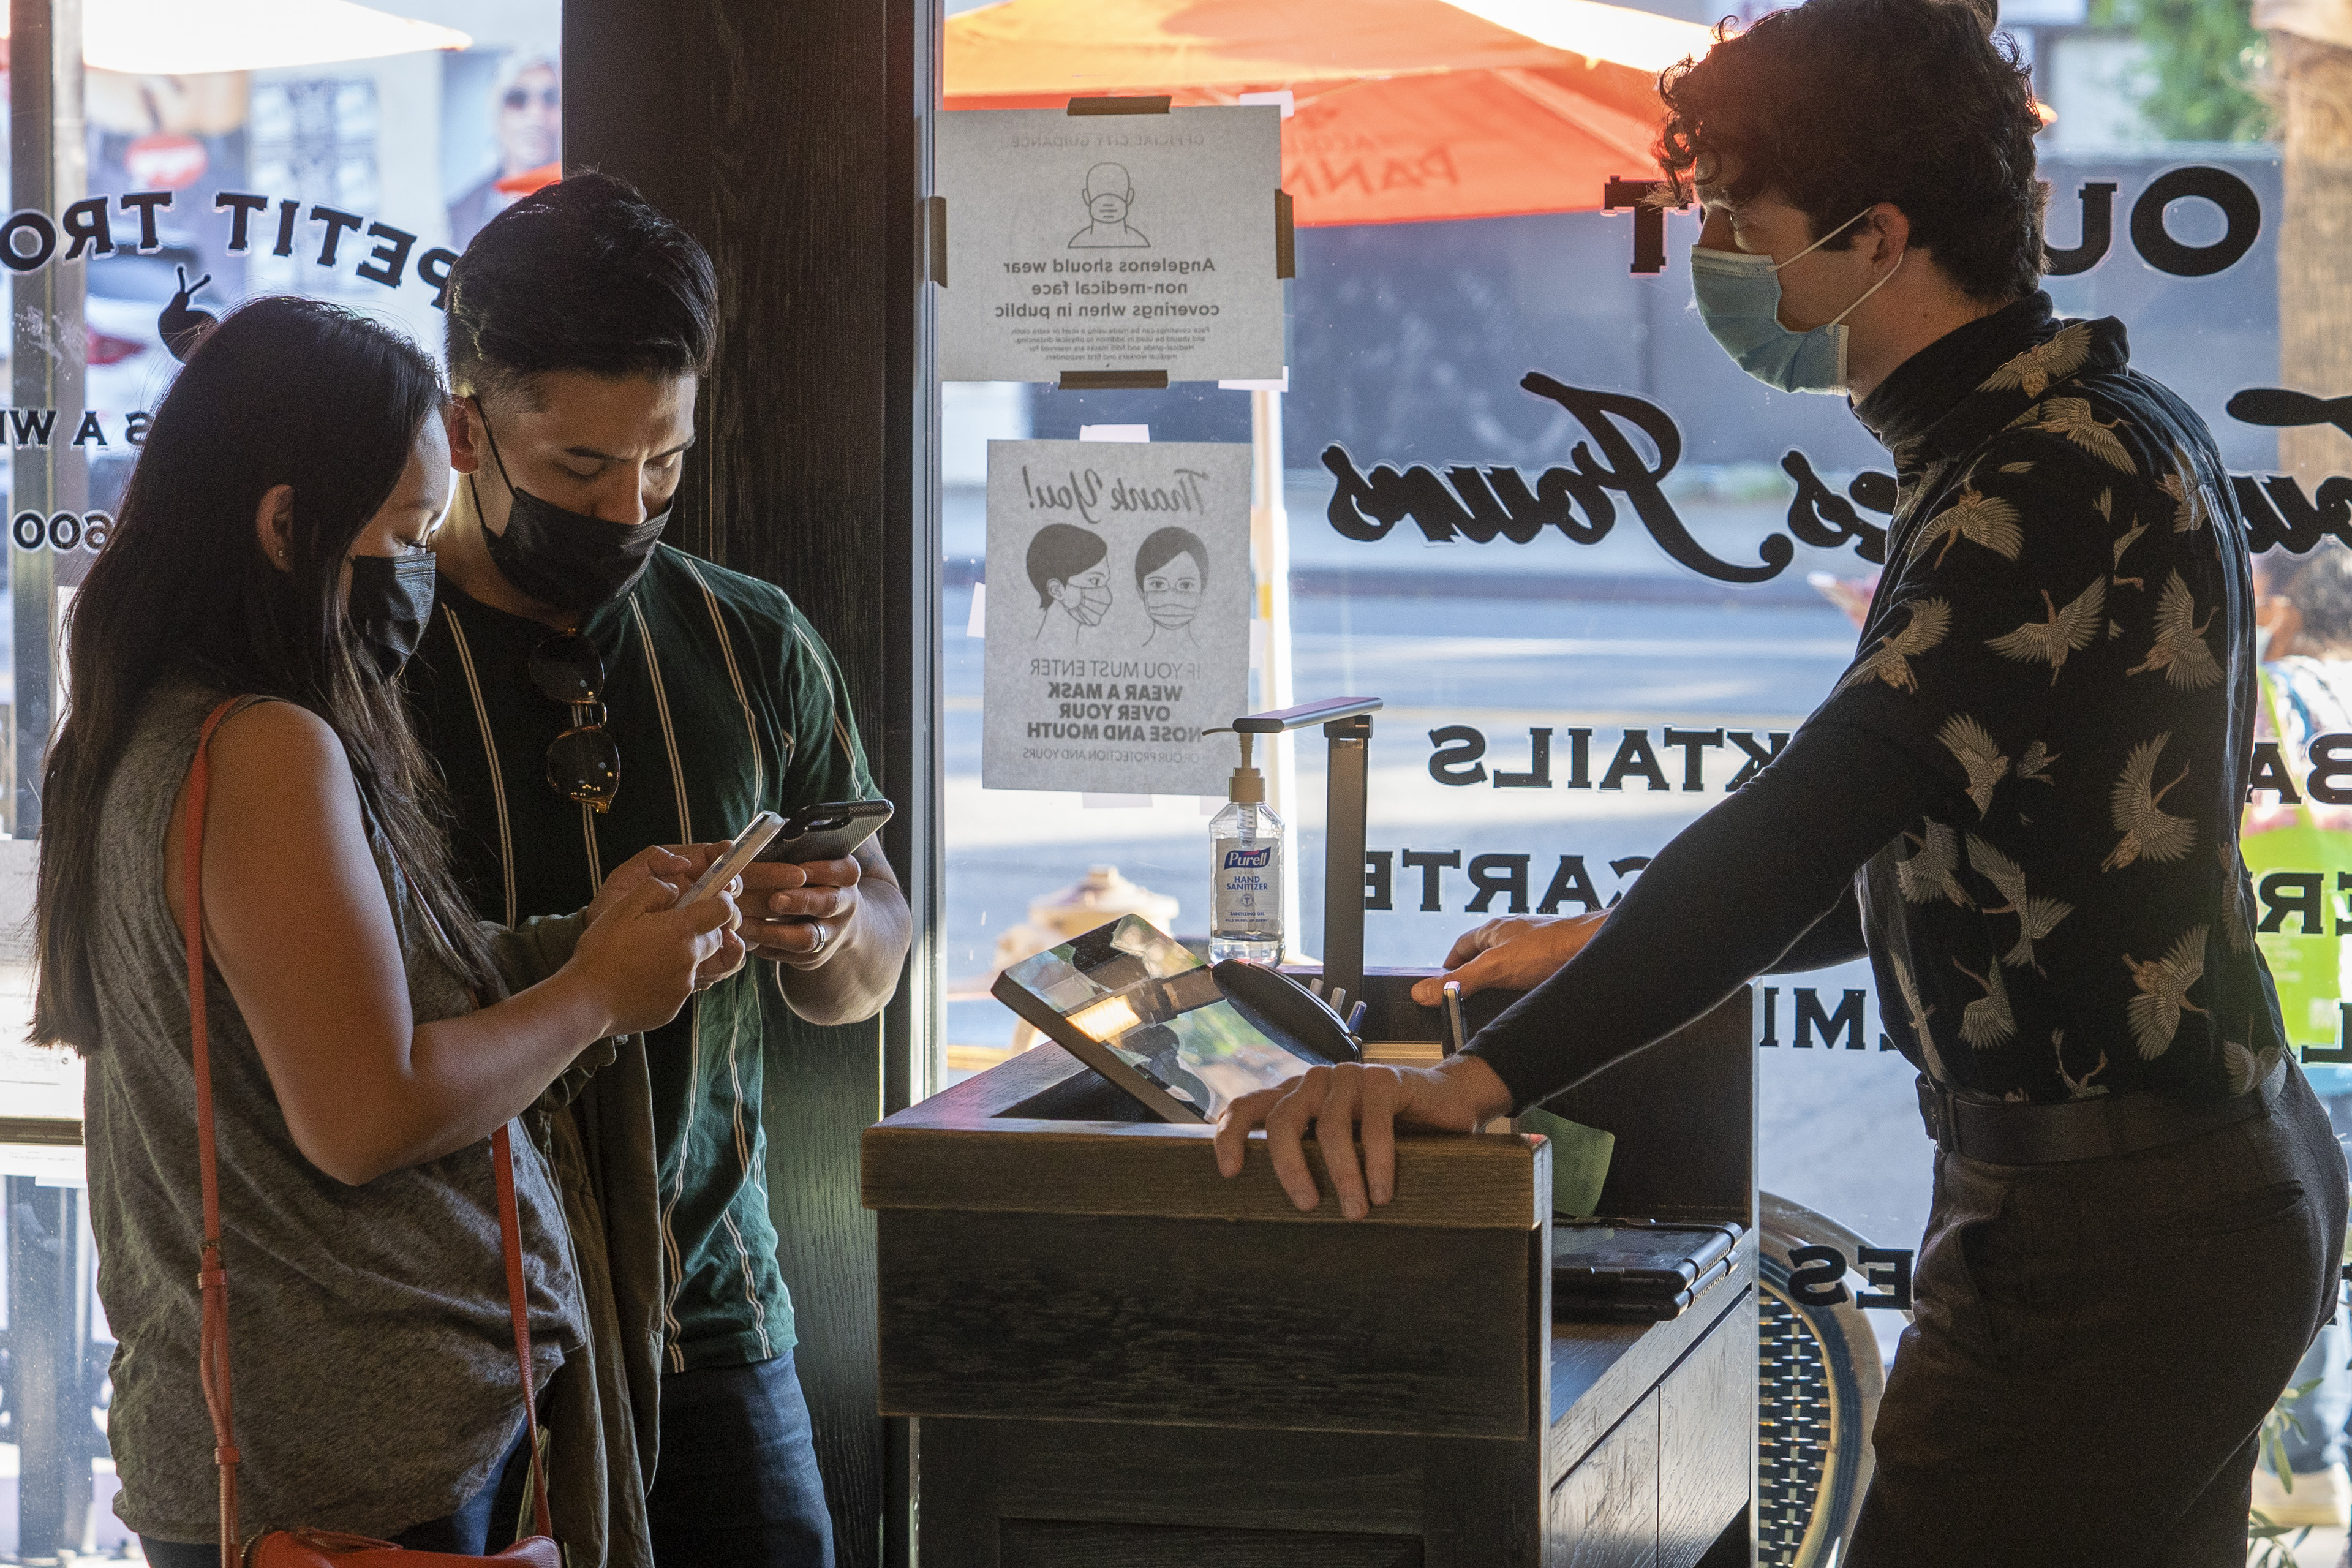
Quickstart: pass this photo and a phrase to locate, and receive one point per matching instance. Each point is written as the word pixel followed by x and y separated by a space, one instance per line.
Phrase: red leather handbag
pixel 302 1547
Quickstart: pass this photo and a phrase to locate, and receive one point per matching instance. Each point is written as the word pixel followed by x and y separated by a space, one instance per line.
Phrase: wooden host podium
pixel 1117 1357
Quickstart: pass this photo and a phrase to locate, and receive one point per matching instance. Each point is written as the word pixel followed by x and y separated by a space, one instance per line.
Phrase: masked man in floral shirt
pixel 2020 800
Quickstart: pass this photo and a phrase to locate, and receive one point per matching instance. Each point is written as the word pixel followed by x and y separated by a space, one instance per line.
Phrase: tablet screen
pixel 1139 993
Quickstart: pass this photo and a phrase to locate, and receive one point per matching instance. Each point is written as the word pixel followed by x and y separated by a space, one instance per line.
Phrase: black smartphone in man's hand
pixel 830 831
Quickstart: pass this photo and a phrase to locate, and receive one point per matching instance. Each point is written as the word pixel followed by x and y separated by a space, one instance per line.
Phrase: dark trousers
pixel 737 1486
pixel 2095 1346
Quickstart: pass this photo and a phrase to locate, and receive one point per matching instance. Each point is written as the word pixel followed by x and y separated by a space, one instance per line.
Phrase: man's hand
pixel 839 933
pixel 1459 1095
pixel 795 913
pixel 1515 954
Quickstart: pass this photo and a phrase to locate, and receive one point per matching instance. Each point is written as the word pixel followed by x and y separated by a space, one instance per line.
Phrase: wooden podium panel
pixel 1113 1355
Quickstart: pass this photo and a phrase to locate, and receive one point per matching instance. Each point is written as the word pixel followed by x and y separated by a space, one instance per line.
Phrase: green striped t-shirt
pixel 724 702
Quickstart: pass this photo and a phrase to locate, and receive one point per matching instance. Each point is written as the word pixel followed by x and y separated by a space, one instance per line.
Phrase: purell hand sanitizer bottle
pixel 1246 870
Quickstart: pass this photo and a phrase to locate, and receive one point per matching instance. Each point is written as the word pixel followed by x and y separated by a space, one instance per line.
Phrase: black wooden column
pixel 793 139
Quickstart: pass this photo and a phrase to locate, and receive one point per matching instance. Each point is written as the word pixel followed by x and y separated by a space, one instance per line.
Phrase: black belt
pixel 2006 1132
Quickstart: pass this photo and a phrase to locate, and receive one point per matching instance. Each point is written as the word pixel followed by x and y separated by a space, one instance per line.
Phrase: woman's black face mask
pixel 391 600
pixel 565 560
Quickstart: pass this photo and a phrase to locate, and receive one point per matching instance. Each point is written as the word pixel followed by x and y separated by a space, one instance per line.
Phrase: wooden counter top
pixel 994 1143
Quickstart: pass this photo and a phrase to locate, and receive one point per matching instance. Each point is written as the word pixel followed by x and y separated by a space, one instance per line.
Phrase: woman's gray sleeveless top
pixel 373 1352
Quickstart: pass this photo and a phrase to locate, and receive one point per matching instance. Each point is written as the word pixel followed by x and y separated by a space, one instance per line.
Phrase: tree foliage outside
pixel 2205 64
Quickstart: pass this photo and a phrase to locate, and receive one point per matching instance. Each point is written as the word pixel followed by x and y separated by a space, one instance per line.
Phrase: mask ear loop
pixel 1844 334
pixel 500 458
pixel 1776 266
pixel 472 484
pixel 1874 288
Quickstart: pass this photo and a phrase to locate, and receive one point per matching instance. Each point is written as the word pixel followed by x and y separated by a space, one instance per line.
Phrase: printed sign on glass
pixel 1118 615
pixel 1110 242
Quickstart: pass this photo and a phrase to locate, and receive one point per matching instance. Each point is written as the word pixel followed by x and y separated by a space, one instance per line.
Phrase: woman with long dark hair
pixel 270 550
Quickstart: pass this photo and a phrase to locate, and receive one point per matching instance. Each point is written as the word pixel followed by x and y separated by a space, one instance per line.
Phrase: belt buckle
pixel 1935 1111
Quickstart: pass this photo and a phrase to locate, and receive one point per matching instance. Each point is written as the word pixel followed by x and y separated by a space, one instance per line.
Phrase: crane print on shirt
pixel 2037 917
pixel 1891 661
pixel 2070 630
pixel 2147 830
pixel 2054 359
pixel 2063 644
pixel 1929 874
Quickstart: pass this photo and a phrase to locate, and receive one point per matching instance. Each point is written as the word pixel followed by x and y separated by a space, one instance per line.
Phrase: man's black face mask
pixel 566 559
pixel 391 600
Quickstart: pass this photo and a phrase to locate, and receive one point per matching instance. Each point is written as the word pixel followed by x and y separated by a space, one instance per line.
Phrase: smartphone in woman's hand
pixel 746 848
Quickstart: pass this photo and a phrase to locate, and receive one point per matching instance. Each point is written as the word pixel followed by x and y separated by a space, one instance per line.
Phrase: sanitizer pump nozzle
pixel 1248 864
pixel 1249 784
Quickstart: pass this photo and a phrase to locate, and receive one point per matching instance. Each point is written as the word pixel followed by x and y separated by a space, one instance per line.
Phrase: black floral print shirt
pixel 2064 634
pixel 2023 796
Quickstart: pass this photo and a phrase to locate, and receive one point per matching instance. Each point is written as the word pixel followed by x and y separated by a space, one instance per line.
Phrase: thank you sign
pixel 1118 615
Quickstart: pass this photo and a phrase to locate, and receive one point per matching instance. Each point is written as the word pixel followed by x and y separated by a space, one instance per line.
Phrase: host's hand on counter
pixel 1459 1095
pixel 1518 954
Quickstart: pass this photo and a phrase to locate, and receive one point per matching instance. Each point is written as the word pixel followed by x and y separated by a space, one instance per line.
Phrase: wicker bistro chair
pixel 1819 1378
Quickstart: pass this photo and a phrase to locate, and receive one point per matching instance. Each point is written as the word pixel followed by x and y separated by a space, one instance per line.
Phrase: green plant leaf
pixel 2205 56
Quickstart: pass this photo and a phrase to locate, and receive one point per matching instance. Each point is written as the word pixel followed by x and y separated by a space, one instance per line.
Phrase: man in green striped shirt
pixel 588 691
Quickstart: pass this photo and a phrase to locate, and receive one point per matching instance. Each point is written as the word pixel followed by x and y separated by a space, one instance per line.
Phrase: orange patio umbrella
pixel 1407 111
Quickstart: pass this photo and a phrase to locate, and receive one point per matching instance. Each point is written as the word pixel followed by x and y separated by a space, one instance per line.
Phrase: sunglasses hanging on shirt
pixel 582 762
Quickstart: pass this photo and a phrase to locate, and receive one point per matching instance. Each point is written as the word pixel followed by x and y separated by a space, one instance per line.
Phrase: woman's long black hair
pixel 282 392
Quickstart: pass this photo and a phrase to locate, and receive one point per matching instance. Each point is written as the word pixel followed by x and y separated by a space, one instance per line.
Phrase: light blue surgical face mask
pixel 1739 297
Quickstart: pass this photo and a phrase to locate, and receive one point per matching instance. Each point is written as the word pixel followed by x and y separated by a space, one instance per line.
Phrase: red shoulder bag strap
pixel 212 1276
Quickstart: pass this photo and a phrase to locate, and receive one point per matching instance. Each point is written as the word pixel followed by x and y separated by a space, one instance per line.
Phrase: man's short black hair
pixel 582 274
pixel 1838 105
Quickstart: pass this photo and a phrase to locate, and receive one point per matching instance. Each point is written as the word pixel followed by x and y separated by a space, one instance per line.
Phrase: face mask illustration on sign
pixel 1086 598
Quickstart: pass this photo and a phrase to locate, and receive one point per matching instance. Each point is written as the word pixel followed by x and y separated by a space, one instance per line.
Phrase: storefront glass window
pixel 1556 707
pixel 350 167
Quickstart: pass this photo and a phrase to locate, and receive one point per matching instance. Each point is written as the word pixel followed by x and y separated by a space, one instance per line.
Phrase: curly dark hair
pixel 1838 105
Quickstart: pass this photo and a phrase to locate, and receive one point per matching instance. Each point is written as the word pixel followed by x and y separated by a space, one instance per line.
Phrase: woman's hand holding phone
pixel 676 864
pixel 680 866
pixel 641 954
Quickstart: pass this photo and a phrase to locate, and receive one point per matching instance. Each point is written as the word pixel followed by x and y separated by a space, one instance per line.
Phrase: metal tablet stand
pixel 1348 725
